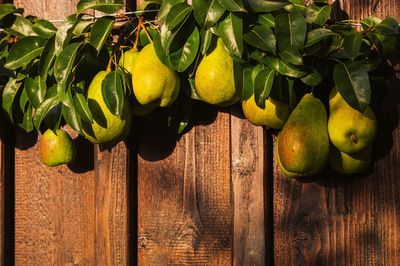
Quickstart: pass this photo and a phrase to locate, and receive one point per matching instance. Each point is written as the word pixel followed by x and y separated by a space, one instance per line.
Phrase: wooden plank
pixel 248 173
pixel 184 202
pixel 339 220
pixel 111 205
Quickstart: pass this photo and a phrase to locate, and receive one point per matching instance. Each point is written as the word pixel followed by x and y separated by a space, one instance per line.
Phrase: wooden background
pixel 213 197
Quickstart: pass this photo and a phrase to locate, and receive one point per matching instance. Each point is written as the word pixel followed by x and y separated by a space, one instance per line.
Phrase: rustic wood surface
pixel 346 220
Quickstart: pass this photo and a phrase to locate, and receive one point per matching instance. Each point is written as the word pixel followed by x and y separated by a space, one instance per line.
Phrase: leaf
pixel 24 51
pixel 21 27
pixel 44 28
pixel 9 93
pixel 43 110
pixel 290 30
pixel 388 26
pixel 292 56
pixel 231 32
pixel 265 6
pixel 27 123
pixel 370 22
pixel 267 20
pixel 69 113
pixel 64 32
pixel 385 44
pixel 313 79
pixel 53 117
pixel 166 8
pixel 263 85
pixel 284 68
pixel 352 44
pixel 186 111
pixel 318 14
pixel 188 52
pixel 8 9
pixel 177 14
pixel 112 92
pixel 47 58
pixel 243 82
pixel 35 90
pixel 105 6
pixel 317 35
pixel 353 84
pixel 261 37
pixel 232 5
pixel 207 12
pixel 82 107
pixel 205 37
pixel 100 32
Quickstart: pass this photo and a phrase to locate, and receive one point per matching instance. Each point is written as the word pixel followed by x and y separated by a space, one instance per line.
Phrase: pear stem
pixel 139 27
pixel 147 33
pixel 108 69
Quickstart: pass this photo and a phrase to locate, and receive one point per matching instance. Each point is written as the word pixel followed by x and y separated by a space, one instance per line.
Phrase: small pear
pixel 349 129
pixel 350 163
pixel 106 127
pixel 303 143
pixel 56 148
pixel 334 98
pixel 153 82
pixel 274 115
pixel 214 79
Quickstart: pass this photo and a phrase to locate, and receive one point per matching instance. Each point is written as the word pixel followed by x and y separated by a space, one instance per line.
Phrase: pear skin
pixel 214 79
pixel 56 148
pixel 350 163
pixel 274 115
pixel 128 59
pixel 303 142
pixel 153 82
pixel 334 98
pixel 349 129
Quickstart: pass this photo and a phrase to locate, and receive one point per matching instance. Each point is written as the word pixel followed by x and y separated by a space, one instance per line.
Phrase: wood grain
pixel 345 220
pixel 111 205
pixel 248 177
pixel 184 201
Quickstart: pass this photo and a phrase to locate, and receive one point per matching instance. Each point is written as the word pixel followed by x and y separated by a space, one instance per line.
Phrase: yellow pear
pixel 153 82
pixel 214 79
pixel 106 127
pixel 350 163
pixel 334 98
pixel 274 115
pixel 56 148
pixel 349 129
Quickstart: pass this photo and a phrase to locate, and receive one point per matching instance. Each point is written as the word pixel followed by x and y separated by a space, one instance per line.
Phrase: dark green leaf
pixel 21 27
pixel 265 6
pixel 166 8
pixel 47 58
pixel 370 22
pixel 352 81
pixel 317 35
pixel 8 9
pixel 232 5
pixel 82 107
pixel 243 82
pixel 44 28
pixel 9 93
pixel 312 79
pixel 290 30
pixel 64 32
pixel 385 44
pixel 24 51
pixel 113 93
pixel 189 51
pixel 318 14
pixel 263 85
pixel 105 6
pixel 69 113
pixel 231 32
pixel 43 110
pixel 207 12
pixel 206 36
pixel 284 68
pixel 352 44
pixel 261 37
pixel 100 32
pixel 177 14
pixel 292 56
pixel 27 123
pixel 35 90
pixel 161 52
pixel 267 19
pixel 186 113
pixel 388 26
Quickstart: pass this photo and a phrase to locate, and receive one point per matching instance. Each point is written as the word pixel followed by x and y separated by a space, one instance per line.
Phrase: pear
pixel 350 163
pixel 106 127
pixel 303 143
pixel 349 129
pixel 214 80
pixel 274 115
pixel 334 98
pixel 56 148
pixel 153 82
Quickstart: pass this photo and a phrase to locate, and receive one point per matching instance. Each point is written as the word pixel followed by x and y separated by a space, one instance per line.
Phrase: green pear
pixel 334 98
pixel 106 127
pixel 274 115
pixel 56 148
pixel 349 129
pixel 153 82
pixel 303 143
pixel 214 79
pixel 350 163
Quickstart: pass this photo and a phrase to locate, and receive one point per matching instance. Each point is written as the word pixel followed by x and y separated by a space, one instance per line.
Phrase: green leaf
pixel 47 58
pixel 64 32
pixel 243 81
pixel 8 9
pixel 100 32
pixel 290 30
pixel 113 93
pixel 205 37
pixel 318 14
pixel 317 35
pixel 284 68
pixel 313 79
pixel 44 28
pixel 26 123
pixel 187 54
pixel 231 32
pixel 9 93
pixel 261 37
pixel 166 8
pixel 292 56
pixel 385 44
pixel 21 27
pixel 388 26
pixel 35 90
pixel 232 5
pixel 24 51
pixel 263 85
pixel 105 6
pixel 207 12
pixel 267 20
pixel 177 14
pixel 82 107
pixel 43 110
pixel 370 22
pixel 352 44
pixel 265 6
pixel 352 81
pixel 69 113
